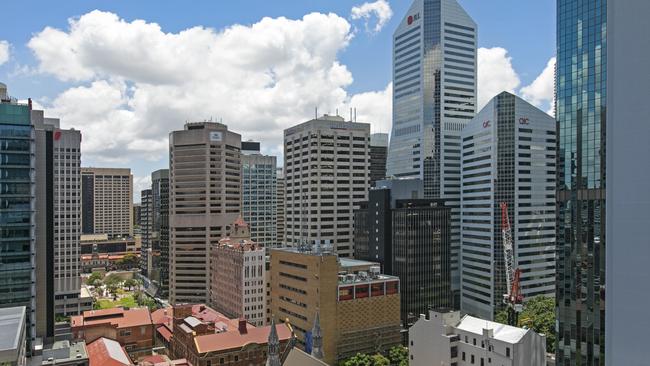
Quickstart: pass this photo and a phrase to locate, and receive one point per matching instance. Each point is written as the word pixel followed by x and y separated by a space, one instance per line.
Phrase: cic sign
pixel 412 18
pixel 486 124
pixel 524 121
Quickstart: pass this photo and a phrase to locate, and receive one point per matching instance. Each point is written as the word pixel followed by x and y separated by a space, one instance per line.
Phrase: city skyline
pixel 345 41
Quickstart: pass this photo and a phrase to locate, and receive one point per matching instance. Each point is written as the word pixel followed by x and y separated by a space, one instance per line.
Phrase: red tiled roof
pixel 117 317
pixel 209 315
pixel 235 339
pixel 107 352
pixel 162 316
pixel 165 332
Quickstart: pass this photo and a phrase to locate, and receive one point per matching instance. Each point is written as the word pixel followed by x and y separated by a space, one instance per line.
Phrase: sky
pixel 126 73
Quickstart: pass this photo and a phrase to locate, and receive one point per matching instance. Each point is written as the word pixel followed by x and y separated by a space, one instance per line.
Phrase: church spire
pixel 273 357
pixel 317 339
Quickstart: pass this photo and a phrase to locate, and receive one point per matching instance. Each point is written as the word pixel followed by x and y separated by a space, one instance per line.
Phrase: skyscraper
pixel 17 204
pixel 259 193
pixel 378 154
pixel 58 223
pixel 279 207
pixel 434 97
pixel 409 237
pixel 628 178
pixel 107 201
pixel 146 228
pixel 205 198
pixel 581 115
pixel 327 176
pixel 508 157
pixel 160 227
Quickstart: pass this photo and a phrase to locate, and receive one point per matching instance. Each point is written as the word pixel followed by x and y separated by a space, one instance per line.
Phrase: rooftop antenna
pixel 337 112
pixel 350 114
pixel 316 113
pixel 355 114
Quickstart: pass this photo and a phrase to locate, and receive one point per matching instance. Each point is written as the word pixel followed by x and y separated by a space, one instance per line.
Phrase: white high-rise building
pixel 258 177
pixel 508 156
pixel 327 177
pixel 434 97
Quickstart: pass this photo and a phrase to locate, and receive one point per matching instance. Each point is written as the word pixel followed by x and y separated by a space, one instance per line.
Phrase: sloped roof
pixel 298 357
pixel 107 352
pixel 235 339
pixel 117 317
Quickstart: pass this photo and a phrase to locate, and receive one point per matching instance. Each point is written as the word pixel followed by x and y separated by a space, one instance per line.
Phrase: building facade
pixel 581 78
pixel 259 194
pixel 628 202
pixel 237 276
pixel 357 307
pixel 434 97
pixel 146 228
pixel 205 197
pixel 58 222
pixel 160 228
pixel 378 155
pixel 17 201
pixel 279 207
pixel 409 237
pixel 444 338
pixel 107 201
pixel 508 157
pixel 327 176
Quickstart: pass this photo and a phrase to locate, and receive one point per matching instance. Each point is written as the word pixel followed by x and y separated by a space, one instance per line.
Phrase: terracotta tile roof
pixel 153 359
pixel 165 332
pixel 163 316
pixel 117 317
pixel 107 352
pixel 235 339
pixel 209 315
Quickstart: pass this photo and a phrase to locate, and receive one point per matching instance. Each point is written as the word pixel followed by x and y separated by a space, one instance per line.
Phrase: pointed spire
pixel 273 357
pixel 317 339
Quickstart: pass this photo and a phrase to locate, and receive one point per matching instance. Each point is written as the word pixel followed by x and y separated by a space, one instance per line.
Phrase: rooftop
pixel 12 326
pixel 117 317
pixel 107 352
pixel 234 340
pixel 349 262
pixel 64 351
pixel 502 332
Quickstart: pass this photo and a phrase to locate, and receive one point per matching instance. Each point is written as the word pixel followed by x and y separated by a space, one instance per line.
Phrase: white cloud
pixel 140 183
pixel 374 107
pixel 495 74
pixel 4 52
pixel 136 83
pixel 541 91
pixel 379 9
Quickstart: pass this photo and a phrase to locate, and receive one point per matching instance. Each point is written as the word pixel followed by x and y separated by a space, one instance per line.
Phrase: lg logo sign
pixel 412 18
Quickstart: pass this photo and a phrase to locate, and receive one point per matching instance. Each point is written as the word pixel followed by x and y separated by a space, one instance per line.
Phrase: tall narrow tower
pixel 434 97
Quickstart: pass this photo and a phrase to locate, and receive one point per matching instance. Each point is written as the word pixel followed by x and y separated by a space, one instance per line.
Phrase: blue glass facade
pixel 16 207
pixel 581 95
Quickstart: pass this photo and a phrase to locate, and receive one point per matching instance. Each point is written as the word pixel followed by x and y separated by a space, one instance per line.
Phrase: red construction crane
pixel 514 298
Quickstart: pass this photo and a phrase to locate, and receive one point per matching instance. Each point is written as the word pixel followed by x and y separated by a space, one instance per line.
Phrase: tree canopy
pixel 538 315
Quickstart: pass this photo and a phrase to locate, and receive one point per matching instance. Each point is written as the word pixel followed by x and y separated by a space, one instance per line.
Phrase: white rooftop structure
pixel 502 332
pixel 12 335
pixel 444 338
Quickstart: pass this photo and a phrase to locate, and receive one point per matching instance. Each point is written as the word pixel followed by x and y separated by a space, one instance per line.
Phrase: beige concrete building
pixel 359 308
pixel 205 197
pixel 327 166
pixel 107 201
pixel 237 276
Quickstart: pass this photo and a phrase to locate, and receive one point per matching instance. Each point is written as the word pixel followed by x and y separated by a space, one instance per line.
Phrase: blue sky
pixel 525 29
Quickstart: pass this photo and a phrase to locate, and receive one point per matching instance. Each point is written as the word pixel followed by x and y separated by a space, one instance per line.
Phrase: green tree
pixel 130 260
pixel 538 315
pixel 399 356
pixel 130 283
pixel 95 279
pixel 365 360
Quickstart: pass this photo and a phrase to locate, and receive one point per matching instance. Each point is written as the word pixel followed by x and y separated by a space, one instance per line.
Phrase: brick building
pixel 359 308
pixel 132 328
pixel 205 337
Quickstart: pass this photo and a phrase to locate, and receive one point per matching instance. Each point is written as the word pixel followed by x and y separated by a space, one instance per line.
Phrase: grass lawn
pixel 127 301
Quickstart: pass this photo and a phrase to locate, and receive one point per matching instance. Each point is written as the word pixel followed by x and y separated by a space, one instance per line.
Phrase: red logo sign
pixel 486 124
pixel 57 135
pixel 524 121
pixel 410 20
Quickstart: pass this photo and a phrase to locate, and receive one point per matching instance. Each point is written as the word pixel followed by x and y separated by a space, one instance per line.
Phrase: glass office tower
pixel 17 217
pixel 434 97
pixel 580 111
